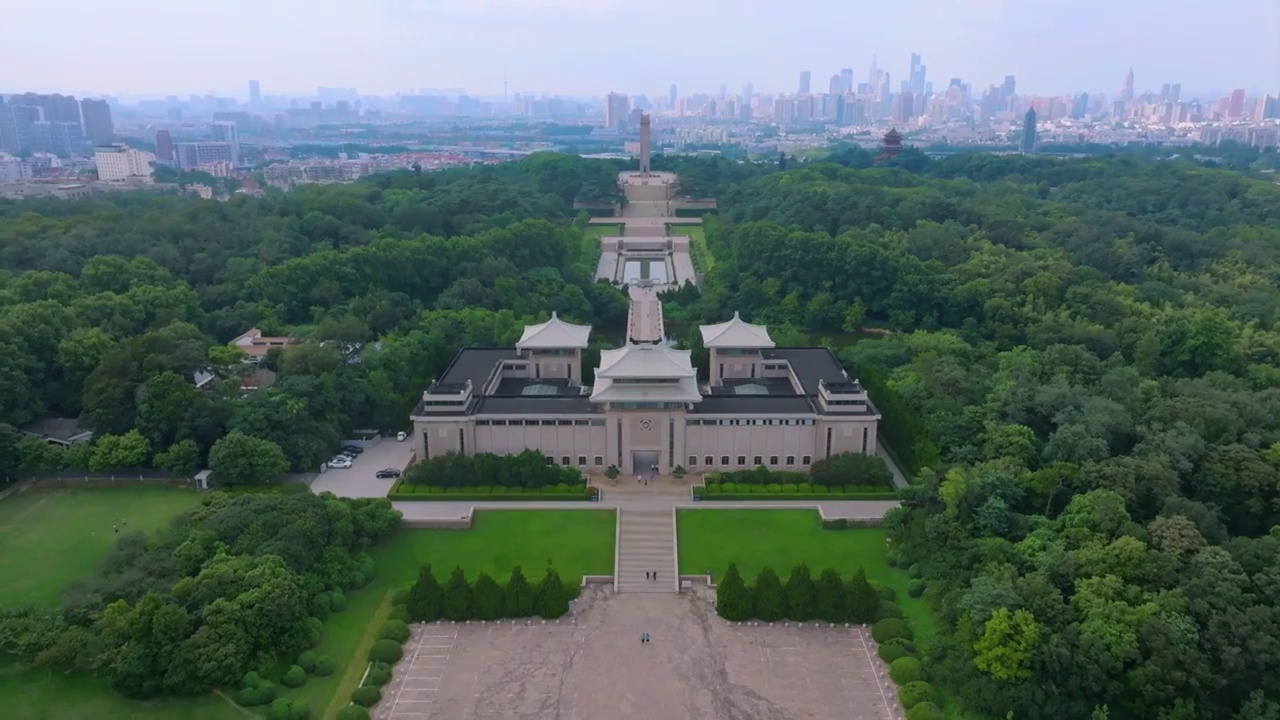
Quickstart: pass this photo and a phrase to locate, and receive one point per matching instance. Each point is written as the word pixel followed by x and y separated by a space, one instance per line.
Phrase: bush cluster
pixel 254 691
pixel 286 709
pixel 485 599
pixel 387 651
pixel 405 490
pixel 528 470
pixel 827 598
pixel 366 696
pixel 353 712
pixel 824 476
pixel 295 677
pixel 379 674
pixel 771 491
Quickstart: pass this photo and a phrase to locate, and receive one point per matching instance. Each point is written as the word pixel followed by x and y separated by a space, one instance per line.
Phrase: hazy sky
pixel 589 47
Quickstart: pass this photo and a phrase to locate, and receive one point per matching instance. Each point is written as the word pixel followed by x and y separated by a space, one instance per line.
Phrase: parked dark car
pixel 389 473
pixel 352 449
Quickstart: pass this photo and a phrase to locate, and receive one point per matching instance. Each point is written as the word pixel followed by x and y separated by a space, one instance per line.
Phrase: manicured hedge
pixel 484 599
pixel 914 693
pixel 353 712
pixel 714 491
pixel 379 674
pixel 324 666
pixel 387 651
pixel 286 709
pixel 826 598
pixel 926 711
pixel 915 588
pixel 366 696
pixel 891 628
pixel 396 630
pixel 906 670
pixel 295 677
pixel 528 469
pixel 838 470
pixel 852 523
pixel 402 490
pixel 895 648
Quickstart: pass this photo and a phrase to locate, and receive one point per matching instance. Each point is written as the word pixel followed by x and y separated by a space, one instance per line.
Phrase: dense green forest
pixel 1086 353
pixel 1080 359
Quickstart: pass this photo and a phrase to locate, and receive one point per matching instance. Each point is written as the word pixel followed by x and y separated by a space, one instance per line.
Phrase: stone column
pixel 644 144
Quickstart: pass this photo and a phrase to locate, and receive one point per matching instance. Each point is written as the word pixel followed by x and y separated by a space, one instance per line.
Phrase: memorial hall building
pixel 783 408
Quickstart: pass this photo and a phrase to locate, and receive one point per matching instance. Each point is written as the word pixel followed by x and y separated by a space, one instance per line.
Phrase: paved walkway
pixel 644 317
pixel 646 544
pixel 830 509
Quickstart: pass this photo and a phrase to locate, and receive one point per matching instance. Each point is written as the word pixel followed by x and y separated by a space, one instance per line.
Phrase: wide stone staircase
pixel 646 543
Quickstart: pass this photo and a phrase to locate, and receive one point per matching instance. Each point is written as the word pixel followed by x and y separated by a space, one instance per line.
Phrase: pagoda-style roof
pixel 737 333
pixel 622 374
pixel 637 362
pixel 554 334
pixel 893 134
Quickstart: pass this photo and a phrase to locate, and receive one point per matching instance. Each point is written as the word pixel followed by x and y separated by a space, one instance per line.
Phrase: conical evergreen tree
pixel 488 599
pixel 457 597
pixel 769 599
pixel 733 600
pixel 425 597
pixel 862 599
pixel 828 603
pixel 521 598
pixel 553 599
pixel 800 593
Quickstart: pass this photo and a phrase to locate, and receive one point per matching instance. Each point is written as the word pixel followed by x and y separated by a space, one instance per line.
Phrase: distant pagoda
pixel 891 146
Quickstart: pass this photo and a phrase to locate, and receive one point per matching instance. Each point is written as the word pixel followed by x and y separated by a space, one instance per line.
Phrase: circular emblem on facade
pixel 646 425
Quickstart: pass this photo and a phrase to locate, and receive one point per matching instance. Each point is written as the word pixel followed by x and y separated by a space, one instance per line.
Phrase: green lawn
pixel 49 538
pixel 701 255
pixel 577 542
pixel 711 539
pixel 599 231
pixel 41 695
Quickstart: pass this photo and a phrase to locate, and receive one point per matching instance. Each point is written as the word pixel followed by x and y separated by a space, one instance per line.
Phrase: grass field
pixel 711 539
pixel 49 538
pixel 576 542
pixel 701 255
pixel 599 231
pixel 41 695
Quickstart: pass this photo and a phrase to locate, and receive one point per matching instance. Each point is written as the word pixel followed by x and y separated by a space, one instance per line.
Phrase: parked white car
pixel 401 437
pixel 342 462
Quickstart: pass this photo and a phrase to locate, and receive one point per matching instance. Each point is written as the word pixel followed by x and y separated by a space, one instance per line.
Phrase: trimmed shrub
pixel 521 599
pixel 916 692
pixel 394 630
pixel 399 612
pixel 260 693
pixel 712 490
pixel 320 606
pixel 337 601
pixel 895 648
pixel 307 660
pixel 357 580
pixel 769 599
pixel 379 674
pixel 366 695
pixel 915 572
pixel 387 651
pixel 828 600
pixel 353 712
pixel 727 487
pixel 886 593
pixel 553 599
pixel 861 601
pixel 733 600
pixel 487 598
pixel 926 711
pixel 818 488
pixel 324 666
pixel 789 489
pixel 804 487
pixel 250 679
pixel 295 677
pixel 286 709
pixel 905 670
pixel 425 599
pixel 889 629
pixel 759 489
pixel 800 592
pixel 400 597
pixel 773 488
pixel 457 596
pixel 499 490
pixel 915 588
pixel 886 610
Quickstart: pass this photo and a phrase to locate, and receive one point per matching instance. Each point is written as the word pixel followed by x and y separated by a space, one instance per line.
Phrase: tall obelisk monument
pixel 644 144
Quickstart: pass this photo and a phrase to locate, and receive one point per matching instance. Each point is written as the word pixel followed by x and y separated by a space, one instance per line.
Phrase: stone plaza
pixel 591 664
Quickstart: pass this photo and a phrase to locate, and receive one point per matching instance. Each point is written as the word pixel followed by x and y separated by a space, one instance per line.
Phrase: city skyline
pixel 569 47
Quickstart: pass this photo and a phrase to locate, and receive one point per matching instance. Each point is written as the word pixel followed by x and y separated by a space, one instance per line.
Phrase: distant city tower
pixel 644 144
pixel 255 93
pixel 1127 93
pixel 1029 132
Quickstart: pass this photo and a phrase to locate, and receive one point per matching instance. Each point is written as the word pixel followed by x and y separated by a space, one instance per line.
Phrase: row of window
pixel 560 423
pixel 598 460
pixel 709 460
pixel 752 421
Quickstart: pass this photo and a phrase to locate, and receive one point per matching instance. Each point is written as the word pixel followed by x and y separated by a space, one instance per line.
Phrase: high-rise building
pixel 903 108
pixel 804 82
pixel 1175 92
pixel 671 95
pixel 1080 106
pixel 255 93
pixel 98 127
pixel 1028 144
pixel 63 139
pixel 164 146
pixel 120 162
pixel 616 111
pixel 1127 93
pixel 17 126
pixel 1235 107
pixel 194 154
pixel 1009 88
pixel 835 86
pixel 224 131
pixel 53 108
pixel 915 80
pixel 748 92
pixel 846 79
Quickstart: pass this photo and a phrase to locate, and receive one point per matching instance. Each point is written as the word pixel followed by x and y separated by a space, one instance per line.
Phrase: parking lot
pixel 359 480
pixel 592 665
